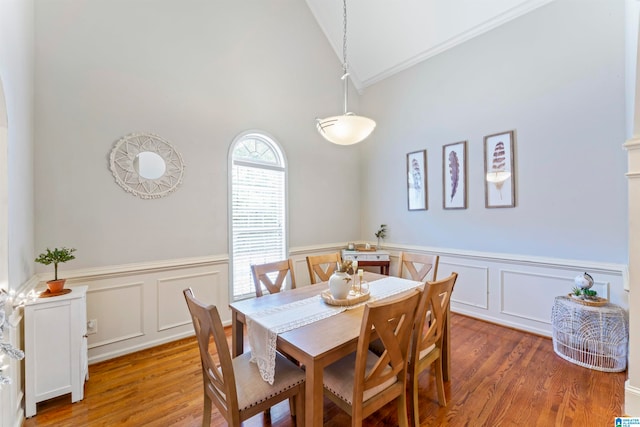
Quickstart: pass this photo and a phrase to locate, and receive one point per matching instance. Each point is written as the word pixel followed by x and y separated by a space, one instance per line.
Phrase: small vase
pixel 339 285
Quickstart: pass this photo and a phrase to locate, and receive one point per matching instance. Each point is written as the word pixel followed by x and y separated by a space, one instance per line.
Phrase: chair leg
pixel 292 405
pixel 442 400
pixel 402 410
pixel 206 413
pixel 413 400
pixel 299 400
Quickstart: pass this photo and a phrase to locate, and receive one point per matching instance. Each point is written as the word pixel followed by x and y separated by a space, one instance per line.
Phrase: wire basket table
pixel 594 337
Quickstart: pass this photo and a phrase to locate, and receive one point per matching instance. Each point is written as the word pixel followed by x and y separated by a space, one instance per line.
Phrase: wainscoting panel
pixel 472 284
pixel 11 395
pixel 527 295
pixel 119 309
pixel 516 290
pixel 172 308
pixel 301 271
pixel 140 306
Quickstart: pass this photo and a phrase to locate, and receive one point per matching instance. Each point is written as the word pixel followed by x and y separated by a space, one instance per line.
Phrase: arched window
pixel 258 207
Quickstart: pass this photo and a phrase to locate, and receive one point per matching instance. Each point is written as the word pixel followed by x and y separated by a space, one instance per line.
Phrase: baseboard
pixel 132 349
pixel 631 400
pixel 503 322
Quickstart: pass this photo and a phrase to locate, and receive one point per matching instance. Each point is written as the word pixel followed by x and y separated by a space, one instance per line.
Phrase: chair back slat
pixel 391 321
pixel 260 274
pixel 435 303
pixel 321 267
pixel 219 381
pixel 418 266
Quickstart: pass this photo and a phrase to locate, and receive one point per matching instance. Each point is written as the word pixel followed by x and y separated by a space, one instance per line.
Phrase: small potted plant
pixel 381 233
pixel 55 257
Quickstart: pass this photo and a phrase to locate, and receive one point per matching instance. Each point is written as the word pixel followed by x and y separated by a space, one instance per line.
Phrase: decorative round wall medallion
pixel 146 165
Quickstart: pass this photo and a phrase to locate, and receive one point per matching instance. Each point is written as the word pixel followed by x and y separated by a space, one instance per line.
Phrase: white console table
pixel 369 259
pixel 55 333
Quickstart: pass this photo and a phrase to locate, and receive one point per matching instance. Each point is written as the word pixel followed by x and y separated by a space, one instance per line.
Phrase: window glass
pixel 258 207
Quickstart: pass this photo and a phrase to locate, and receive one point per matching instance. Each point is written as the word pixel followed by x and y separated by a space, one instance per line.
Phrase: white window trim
pixel 285 162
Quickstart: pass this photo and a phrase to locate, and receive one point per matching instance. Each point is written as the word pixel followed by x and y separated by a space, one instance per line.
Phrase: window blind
pixel 258 221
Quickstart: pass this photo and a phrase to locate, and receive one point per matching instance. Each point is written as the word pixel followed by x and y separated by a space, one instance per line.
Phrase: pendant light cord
pixel 345 72
pixel 344 37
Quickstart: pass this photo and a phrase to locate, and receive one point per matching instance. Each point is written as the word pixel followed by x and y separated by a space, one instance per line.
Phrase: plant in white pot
pixel 55 257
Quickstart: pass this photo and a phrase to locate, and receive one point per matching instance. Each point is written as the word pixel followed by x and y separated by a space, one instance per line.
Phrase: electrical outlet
pixel 92 327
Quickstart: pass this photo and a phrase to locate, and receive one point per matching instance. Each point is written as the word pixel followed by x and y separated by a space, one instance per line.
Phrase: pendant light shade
pixel 348 128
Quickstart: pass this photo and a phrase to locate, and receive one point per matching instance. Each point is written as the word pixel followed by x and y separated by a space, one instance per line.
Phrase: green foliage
pixel 56 256
pixel 382 231
pixel 585 293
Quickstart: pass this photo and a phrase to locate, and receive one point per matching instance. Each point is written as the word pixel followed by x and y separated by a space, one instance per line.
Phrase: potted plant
pixel 55 257
pixel 381 233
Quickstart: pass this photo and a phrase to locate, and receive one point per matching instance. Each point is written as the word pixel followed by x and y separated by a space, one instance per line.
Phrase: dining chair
pixel 363 382
pixel 235 386
pixel 260 273
pixel 418 266
pixel 426 346
pixel 321 267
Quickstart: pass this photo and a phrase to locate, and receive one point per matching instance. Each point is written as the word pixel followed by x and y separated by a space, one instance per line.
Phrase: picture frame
pixel 499 169
pixel 417 181
pixel 454 175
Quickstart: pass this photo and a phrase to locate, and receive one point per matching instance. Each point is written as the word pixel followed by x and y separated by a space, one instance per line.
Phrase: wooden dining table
pixel 315 345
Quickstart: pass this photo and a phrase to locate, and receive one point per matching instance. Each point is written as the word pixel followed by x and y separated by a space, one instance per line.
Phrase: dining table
pixel 317 344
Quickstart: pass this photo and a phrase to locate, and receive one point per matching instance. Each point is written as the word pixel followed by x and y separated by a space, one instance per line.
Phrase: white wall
pixel 16 69
pixel 556 76
pixel 196 73
pixel 16 143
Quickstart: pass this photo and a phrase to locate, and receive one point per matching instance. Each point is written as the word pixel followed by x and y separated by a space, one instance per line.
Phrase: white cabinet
pixel 55 333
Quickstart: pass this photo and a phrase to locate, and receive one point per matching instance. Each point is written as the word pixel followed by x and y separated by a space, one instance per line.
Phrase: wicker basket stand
pixel 595 337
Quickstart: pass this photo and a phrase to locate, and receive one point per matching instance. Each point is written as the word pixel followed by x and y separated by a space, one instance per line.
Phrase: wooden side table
pixel 594 337
pixel 369 259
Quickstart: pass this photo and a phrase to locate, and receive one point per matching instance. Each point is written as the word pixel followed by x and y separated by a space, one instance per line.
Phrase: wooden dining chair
pixel 235 385
pixel 418 266
pixel 362 382
pixel 261 272
pixel 321 267
pixel 426 347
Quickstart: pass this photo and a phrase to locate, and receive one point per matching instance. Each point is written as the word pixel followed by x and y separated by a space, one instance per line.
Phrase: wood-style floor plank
pixel 499 377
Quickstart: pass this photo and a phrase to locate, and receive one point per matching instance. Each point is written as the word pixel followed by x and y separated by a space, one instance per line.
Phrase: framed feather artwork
pixel 417 180
pixel 454 175
pixel 499 169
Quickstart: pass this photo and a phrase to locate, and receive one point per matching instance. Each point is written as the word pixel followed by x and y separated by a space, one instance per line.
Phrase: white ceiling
pixel 388 36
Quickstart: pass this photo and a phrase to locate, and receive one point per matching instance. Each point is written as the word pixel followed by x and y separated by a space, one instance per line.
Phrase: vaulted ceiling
pixel 388 36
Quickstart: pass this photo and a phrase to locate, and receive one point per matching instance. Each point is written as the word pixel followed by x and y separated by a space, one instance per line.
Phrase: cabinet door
pixel 51 342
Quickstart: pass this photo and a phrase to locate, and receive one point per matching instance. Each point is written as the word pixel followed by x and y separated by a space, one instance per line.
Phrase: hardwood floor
pixel 500 377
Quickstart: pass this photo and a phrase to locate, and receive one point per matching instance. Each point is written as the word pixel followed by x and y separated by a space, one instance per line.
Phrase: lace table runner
pixel 263 327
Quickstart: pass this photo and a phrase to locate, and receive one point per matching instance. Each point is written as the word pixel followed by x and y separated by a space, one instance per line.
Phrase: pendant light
pixel 348 128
